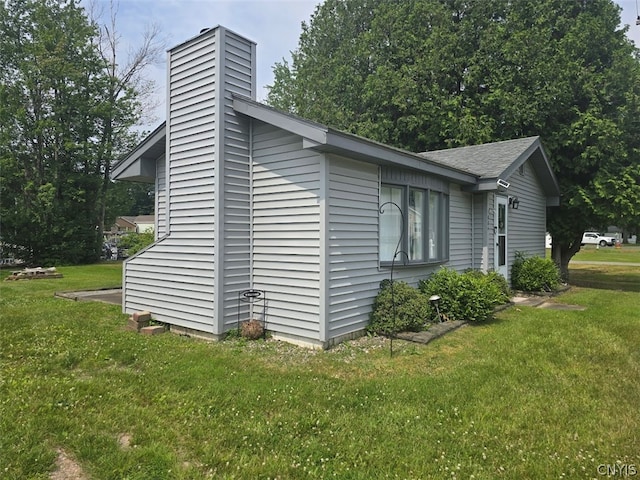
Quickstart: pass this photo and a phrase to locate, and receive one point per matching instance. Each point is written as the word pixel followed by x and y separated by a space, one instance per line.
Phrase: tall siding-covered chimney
pixel 207 165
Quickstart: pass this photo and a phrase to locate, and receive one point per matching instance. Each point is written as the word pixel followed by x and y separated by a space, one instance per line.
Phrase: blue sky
pixel 273 24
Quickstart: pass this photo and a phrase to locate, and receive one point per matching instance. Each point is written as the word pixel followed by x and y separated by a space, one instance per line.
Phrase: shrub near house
pixel 470 296
pixel 534 274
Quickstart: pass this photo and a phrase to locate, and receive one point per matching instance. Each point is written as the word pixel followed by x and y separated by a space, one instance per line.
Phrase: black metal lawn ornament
pixel 396 253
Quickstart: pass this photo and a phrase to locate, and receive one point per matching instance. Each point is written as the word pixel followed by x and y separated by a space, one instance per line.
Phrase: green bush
pixel 134 242
pixel 411 309
pixel 470 296
pixel 534 274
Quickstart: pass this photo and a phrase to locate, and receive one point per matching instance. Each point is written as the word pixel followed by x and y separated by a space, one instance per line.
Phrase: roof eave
pixel 379 154
pixel 324 139
pixel 139 164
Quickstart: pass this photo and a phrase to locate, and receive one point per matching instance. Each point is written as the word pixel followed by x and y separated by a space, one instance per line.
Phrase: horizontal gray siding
pixel 354 277
pixel 174 279
pixel 527 224
pixel 236 271
pixel 354 272
pixel 286 231
pixel 460 231
pixel 482 231
pixel 161 197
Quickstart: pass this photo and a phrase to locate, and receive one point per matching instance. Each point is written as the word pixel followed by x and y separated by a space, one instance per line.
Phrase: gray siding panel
pixel 286 231
pixel 527 225
pixel 236 270
pixel 460 232
pixel 159 279
pixel 161 197
pixel 354 274
pixel 207 147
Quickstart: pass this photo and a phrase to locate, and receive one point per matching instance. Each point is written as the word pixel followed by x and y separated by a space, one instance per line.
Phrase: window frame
pixel 441 233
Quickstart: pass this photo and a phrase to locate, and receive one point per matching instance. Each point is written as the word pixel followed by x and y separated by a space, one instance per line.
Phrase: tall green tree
pixel 49 109
pixel 65 111
pixel 430 74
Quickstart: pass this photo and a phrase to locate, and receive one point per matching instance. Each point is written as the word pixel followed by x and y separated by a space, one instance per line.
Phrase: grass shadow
pixel 606 278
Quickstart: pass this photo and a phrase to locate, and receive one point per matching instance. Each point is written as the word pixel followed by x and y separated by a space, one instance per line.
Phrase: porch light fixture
pixel 514 202
pixel 435 301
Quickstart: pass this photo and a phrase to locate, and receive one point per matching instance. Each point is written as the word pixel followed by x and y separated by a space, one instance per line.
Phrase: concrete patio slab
pixel 112 295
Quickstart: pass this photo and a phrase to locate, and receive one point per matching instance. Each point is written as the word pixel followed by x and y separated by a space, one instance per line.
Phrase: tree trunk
pixel 562 254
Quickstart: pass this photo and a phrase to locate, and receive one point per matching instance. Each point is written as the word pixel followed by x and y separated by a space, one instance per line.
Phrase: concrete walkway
pixel 111 295
pixel 437 330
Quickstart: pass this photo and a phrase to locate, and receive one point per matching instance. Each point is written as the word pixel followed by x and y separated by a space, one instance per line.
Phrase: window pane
pixel 435 221
pixel 502 218
pixel 390 222
pixel 416 224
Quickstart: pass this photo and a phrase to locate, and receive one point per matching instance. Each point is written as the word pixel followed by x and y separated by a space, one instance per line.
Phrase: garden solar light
pixel 435 301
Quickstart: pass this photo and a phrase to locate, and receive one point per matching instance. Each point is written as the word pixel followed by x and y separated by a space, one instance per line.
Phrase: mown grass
pixel 608 277
pixel 626 254
pixel 532 394
pixel 624 274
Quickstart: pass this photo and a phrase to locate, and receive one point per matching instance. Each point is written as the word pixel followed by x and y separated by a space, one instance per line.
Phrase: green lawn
pixel 626 253
pixel 532 394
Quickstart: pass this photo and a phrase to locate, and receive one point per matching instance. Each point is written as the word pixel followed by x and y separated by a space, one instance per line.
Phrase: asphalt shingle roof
pixel 489 160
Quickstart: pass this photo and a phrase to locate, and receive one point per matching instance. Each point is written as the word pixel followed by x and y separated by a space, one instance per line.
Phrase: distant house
pixel 249 197
pixel 134 224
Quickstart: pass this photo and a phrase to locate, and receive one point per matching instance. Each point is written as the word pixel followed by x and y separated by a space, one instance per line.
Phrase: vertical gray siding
pixel 286 230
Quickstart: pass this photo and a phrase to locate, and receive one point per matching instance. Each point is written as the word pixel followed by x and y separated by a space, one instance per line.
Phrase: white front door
pixel 500 229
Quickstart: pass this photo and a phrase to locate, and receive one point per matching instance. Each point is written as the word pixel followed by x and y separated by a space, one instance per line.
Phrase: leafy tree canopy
pixel 65 110
pixel 431 74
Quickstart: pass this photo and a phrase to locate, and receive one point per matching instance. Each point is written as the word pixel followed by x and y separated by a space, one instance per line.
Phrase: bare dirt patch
pixel 67 468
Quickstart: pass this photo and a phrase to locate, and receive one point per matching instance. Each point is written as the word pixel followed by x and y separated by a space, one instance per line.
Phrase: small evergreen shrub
pixel 411 309
pixel 534 274
pixel 470 296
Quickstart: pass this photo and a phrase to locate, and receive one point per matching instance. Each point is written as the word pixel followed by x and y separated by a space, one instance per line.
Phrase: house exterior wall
pixel 354 273
pixel 161 197
pixel 352 245
pixel 527 224
pixel 179 278
pixel 239 73
pixel 461 234
pixel 286 206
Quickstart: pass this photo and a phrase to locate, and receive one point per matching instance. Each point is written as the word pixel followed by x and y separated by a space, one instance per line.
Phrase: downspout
pixel 251 305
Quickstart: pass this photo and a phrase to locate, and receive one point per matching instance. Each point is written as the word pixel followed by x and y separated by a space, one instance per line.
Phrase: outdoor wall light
pixel 435 301
pixel 514 202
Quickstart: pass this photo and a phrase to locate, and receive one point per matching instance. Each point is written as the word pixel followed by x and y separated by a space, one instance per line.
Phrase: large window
pixel 426 225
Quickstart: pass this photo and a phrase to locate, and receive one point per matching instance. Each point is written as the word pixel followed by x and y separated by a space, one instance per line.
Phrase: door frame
pixel 501 236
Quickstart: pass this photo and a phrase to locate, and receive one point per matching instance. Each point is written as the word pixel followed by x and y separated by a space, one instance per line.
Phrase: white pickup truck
pixel 594 238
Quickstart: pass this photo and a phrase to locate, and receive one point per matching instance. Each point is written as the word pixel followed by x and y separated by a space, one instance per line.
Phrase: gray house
pixel 248 197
